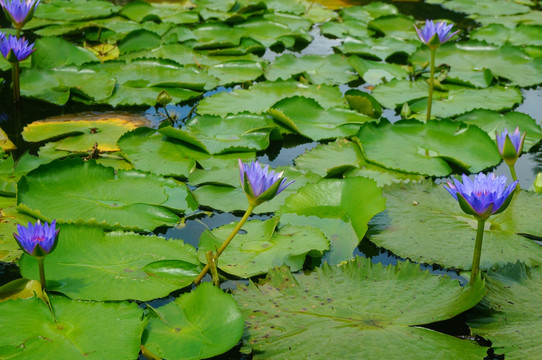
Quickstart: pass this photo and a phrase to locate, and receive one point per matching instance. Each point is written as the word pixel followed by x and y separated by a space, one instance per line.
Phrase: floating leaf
pixel 67 10
pixel 5 142
pixel 510 313
pixel 81 131
pixel 175 13
pixel 376 305
pixel 29 331
pixel 428 149
pixel 74 191
pixel 493 122
pixel 306 117
pixel 262 96
pixel 125 94
pixel 215 134
pixel 317 69
pixel 484 7
pixel 53 52
pixel 395 26
pixel 376 48
pixel 376 72
pixel 121 265
pixel 425 224
pixel 261 246
pixel 499 34
pixel 9 249
pixel 201 324
pixel 340 208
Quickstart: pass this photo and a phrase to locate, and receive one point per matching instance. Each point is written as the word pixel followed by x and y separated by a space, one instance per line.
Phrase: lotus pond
pixel 131 122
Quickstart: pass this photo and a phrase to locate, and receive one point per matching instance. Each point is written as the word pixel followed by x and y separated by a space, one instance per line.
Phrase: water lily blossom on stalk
pixel 433 35
pixel 37 240
pixel 485 196
pixel 15 49
pixel 19 12
pixel 260 184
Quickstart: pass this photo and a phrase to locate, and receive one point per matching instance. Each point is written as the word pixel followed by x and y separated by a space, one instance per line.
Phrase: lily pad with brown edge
pixel 262 245
pixel 82 192
pixel 375 312
pixel 80 132
pixel 341 209
pixel 510 313
pixel 425 224
pixel 5 143
pixel 428 149
pixel 123 265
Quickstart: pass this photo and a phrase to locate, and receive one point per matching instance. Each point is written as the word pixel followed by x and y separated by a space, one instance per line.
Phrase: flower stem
pixel 431 85
pixel 514 176
pixel 225 243
pixel 41 261
pixel 477 250
pixel 15 81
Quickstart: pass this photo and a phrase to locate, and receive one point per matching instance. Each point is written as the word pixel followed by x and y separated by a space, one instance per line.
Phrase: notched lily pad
pixel 378 306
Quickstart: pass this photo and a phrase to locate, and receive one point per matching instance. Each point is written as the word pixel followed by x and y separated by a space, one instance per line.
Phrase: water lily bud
pixel 163 98
pixel 510 145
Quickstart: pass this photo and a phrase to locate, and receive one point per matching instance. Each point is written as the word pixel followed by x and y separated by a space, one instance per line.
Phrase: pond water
pixel 281 152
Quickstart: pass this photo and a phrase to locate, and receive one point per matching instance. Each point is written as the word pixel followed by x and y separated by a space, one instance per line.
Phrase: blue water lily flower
pixel 15 50
pixel 19 12
pixel 434 34
pixel 260 184
pixel 37 240
pixel 510 145
pixel 483 197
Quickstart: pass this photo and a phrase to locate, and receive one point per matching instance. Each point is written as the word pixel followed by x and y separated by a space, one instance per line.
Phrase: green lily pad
pixel 211 35
pixel 150 151
pixel 67 10
pixel 122 265
pixel 262 96
pixel 345 158
pixel 317 69
pixel 53 52
pixel 81 134
pixel 374 72
pixel 269 33
pixel 215 134
pixel 236 71
pixel 201 324
pixel 353 28
pixel 425 224
pixel 340 208
pixel 11 172
pixel 493 122
pixel 167 12
pixel 220 189
pixel 483 7
pixel 395 26
pixel 138 40
pixel 57 85
pixel 308 118
pixel 74 191
pixel 510 313
pixel 533 17
pixel 428 149
pixel 456 101
pixel 376 305
pixel 499 34
pixel 376 48
pixel 29 331
pixel 469 59
pixel 126 95
pixel 262 246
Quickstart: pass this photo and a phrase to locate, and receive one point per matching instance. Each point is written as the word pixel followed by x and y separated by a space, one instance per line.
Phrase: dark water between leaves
pixel 279 153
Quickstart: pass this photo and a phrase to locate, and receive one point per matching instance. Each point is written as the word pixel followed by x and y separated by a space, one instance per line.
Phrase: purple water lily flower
pixel 19 12
pixel 483 197
pixel 440 28
pixel 510 145
pixel 259 183
pixel 15 50
pixel 37 240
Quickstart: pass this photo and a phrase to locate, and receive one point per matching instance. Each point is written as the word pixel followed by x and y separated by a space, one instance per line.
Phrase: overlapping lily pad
pixel 340 208
pixel 510 313
pixel 424 223
pixel 75 9
pixel 428 149
pixel 29 331
pixel 9 249
pixel 262 96
pixel 115 266
pixel 261 246
pixel 500 35
pixel 484 7
pixel 201 324
pixel 74 191
pixel 376 305
pixel 308 118
pixel 374 72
